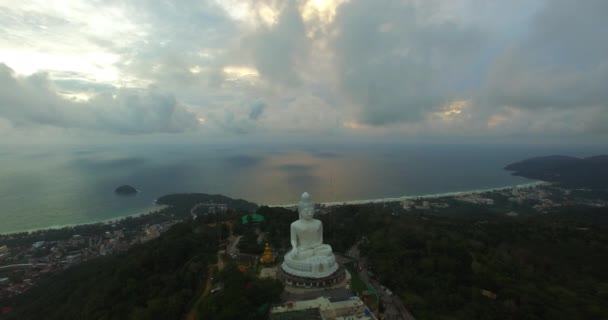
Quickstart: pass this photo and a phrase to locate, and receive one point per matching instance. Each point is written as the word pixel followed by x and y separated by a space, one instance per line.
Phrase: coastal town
pixel 22 264
pixel 537 197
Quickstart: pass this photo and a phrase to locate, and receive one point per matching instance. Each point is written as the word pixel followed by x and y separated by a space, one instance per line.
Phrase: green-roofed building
pixel 253 218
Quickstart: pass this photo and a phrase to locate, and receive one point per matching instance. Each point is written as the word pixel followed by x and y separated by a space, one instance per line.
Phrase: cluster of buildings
pixel 209 208
pixel 154 231
pixel 22 266
pixel 408 205
pixel 521 195
pixel 475 198
pixel 545 199
pixel 322 308
pixel 540 196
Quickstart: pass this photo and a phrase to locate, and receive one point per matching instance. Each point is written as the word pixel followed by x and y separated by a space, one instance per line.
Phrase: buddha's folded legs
pixel 320 250
pixel 323 250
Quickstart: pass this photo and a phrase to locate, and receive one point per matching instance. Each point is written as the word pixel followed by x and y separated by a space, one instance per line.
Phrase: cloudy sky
pixel 520 70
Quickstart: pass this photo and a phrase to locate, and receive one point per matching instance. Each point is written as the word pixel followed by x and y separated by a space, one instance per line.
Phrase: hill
pixel 462 261
pixel 155 280
pixel 589 172
pixel 159 279
pixel 189 200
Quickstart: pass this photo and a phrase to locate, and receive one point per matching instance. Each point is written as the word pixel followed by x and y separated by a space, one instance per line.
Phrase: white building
pixel 323 308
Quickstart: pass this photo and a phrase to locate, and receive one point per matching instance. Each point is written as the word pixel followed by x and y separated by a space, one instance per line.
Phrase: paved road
pixel 22 265
pixel 232 244
pixel 195 207
pixel 394 308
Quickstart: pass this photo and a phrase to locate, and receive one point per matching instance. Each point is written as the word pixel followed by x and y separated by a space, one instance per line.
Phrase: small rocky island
pixel 125 190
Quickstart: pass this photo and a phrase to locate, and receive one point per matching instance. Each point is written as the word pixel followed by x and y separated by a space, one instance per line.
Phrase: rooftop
pixel 254 218
pixel 326 309
pixel 306 314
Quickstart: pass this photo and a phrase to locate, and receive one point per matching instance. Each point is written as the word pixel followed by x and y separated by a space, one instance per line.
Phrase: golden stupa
pixel 267 257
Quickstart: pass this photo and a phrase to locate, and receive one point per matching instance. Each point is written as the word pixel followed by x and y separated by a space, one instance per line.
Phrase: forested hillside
pixel 589 172
pixel 549 266
pixel 155 280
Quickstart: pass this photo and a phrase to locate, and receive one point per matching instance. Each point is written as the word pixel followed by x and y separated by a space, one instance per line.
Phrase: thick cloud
pixel 561 63
pixel 416 68
pixel 179 39
pixel 397 63
pixel 277 50
pixel 32 100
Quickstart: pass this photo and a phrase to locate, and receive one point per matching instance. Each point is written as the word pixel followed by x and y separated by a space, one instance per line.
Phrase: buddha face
pixel 307 212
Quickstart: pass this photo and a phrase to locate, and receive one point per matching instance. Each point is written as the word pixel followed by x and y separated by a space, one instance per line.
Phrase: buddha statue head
pixel 306 208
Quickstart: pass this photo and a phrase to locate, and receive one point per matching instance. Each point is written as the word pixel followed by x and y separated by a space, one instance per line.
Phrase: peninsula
pixel 591 172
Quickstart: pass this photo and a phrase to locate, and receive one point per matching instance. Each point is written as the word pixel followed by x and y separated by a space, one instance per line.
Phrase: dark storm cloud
pixel 257 109
pixel 240 118
pixel 397 64
pixel 32 100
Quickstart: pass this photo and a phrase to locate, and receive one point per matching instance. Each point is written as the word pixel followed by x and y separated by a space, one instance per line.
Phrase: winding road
pixel 394 308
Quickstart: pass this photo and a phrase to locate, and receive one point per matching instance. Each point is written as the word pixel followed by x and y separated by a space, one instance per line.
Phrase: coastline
pixel 156 207
pixel 145 211
pixel 423 196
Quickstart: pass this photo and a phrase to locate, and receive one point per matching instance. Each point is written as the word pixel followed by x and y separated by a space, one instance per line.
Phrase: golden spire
pixel 267 257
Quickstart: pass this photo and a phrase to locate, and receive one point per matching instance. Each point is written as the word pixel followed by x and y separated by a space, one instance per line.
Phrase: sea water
pixel 46 186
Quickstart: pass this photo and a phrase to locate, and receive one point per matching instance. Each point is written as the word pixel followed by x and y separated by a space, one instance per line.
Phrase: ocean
pixel 45 186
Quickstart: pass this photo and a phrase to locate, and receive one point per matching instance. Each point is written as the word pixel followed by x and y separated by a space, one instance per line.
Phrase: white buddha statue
pixel 309 256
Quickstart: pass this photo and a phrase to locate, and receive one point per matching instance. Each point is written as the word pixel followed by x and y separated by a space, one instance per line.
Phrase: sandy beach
pixel 424 196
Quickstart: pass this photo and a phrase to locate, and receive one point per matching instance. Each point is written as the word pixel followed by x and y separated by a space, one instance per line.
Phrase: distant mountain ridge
pixel 591 172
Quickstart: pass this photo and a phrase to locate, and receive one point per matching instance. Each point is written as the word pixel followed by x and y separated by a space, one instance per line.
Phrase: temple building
pixel 322 308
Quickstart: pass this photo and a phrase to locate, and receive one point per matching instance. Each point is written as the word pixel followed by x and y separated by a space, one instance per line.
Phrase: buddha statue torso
pixel 308 234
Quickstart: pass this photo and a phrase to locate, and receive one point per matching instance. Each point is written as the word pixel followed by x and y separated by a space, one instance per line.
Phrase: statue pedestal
pixel 294 281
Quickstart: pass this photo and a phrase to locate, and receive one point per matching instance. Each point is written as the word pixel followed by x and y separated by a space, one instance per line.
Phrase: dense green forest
pixel 538 267
pixel 340 233
pixel 155 280
pixel 244 296
pixel 535 266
